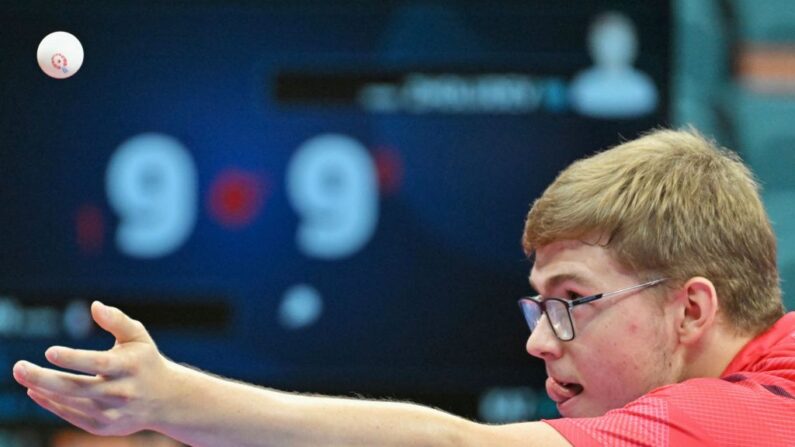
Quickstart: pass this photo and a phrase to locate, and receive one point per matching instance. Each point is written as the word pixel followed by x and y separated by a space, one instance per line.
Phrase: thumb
pixel 122 327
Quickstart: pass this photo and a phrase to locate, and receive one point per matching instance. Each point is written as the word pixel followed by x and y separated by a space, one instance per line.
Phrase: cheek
pixel 622 364
pixel 616 376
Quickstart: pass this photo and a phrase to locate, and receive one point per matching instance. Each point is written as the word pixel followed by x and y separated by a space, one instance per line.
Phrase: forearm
pixel 215 412
pixel 132 387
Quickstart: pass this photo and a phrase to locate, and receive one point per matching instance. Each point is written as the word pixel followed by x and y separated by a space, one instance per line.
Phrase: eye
pixel 572 295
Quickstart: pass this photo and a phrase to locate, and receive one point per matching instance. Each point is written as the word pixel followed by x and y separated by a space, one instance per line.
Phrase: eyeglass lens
pixel 557 313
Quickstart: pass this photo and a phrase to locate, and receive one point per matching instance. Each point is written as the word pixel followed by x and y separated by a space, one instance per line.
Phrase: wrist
pixel 172 407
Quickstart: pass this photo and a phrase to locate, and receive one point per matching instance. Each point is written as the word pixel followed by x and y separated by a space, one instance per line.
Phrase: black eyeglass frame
pixel 570 304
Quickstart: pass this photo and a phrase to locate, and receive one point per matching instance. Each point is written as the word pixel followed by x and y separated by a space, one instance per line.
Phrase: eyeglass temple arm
pixel 588 299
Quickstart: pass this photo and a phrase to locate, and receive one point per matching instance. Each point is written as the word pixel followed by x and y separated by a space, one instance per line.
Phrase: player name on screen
pixel 509 92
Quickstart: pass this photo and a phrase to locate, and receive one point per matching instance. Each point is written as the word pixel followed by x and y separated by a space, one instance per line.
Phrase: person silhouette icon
pixel 613 88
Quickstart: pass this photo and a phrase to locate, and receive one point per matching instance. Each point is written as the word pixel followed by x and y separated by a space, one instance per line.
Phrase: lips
pixel 560 391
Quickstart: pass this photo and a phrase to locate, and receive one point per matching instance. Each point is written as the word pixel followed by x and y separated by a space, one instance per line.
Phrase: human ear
pixel 698 309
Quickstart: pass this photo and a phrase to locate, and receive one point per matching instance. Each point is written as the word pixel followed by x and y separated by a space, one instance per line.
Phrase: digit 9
pixel 151 183
pixel 332 184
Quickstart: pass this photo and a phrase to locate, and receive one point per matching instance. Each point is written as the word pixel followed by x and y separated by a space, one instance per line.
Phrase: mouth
pixel 561 392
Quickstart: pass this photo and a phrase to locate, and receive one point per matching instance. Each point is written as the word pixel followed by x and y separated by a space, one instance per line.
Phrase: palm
pixel 118 388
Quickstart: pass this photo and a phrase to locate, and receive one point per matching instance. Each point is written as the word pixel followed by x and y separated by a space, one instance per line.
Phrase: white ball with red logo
pixel 60 55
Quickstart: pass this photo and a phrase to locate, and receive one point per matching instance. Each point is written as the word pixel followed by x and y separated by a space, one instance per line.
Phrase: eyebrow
pixel 556 280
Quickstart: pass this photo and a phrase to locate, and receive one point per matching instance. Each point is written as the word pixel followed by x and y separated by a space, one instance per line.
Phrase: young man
pixel 659 319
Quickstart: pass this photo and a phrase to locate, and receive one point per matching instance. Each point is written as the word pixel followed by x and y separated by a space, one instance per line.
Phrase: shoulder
pixel 706 411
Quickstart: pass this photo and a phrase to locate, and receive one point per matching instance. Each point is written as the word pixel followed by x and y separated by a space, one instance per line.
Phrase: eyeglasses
pixel 558 310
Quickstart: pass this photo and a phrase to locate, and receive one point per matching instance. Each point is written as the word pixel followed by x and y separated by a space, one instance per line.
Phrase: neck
pixel 711 358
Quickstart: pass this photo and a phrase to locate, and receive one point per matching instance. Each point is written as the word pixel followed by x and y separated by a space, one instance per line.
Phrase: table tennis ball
pixel 60 55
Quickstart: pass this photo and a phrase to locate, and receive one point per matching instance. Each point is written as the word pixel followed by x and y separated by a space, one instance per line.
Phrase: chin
pixel 576 413
pixel 580 409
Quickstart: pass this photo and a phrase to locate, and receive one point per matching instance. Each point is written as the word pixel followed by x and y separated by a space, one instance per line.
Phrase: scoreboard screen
pixel 323 197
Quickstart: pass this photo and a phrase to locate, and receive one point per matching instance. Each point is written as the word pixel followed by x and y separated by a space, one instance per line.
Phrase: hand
pixel 123 389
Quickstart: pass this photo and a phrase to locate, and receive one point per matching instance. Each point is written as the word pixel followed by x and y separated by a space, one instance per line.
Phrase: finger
pixel 82 404
pixel 113 320
pixel 33 376
pixel 92 362
pixel 71 415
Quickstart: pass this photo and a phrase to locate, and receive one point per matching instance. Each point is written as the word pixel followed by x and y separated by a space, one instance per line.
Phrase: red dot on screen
pixel 236 197
pixel 389 166
pixel 89 229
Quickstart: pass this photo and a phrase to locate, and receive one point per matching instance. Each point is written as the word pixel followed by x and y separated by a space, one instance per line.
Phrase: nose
pixel 543 343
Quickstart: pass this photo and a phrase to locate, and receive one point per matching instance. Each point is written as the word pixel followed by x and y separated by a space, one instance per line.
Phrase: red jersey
pixel 751 404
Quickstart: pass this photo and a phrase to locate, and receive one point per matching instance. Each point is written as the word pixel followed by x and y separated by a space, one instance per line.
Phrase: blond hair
pixel 675 204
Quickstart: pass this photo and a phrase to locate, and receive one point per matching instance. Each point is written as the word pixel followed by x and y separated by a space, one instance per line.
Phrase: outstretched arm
pixel 132 387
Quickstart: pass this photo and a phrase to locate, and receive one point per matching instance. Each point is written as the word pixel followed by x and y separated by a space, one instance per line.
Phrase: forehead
pixel 588 265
